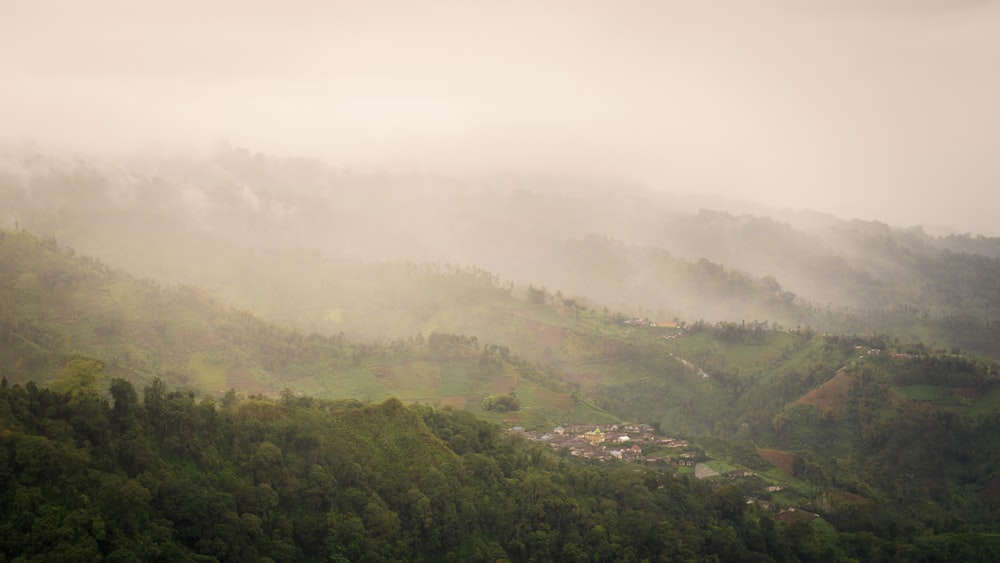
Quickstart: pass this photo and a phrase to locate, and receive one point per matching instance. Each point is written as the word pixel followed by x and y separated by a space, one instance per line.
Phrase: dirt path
pixel 701 372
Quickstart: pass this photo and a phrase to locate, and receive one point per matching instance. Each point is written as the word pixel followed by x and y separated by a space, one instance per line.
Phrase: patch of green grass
pixel 987 404
pixel 413 380
pixel 918 392
pixel 720 466
pixel 355 383
pixel 543 409
pixel 454 377
pixel 207 374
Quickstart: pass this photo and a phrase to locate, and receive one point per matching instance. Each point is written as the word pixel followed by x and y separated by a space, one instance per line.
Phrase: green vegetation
pixel 169 477
pixel 892 441
pixel 502 403
pixel 185 337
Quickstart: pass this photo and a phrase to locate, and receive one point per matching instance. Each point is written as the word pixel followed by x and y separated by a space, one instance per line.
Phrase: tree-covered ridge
pixel 286 238
pixel 54 304
pixel 163 476
pixel 849 414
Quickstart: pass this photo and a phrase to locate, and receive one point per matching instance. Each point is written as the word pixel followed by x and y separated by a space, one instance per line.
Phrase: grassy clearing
pixel 543 409
pixel 453 379
pixel 409 380
pixel 358 383
pixel 534 396
pixel 800 355
pixel 585 413
pixel 208 375
pixel 919 392
pixel 988 403
pixel 720 466
pixel 753 354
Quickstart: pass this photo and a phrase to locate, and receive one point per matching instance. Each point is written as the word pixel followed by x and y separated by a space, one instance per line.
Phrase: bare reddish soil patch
pixel 547 335
pixel 895 397
pixel 792 516
pixel 504 384
pixel 992 491
pixel 782 460
pixel 966 392
pixel 832 396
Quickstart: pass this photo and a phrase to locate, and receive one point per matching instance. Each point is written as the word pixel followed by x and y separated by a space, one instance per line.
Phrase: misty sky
pixel 881 109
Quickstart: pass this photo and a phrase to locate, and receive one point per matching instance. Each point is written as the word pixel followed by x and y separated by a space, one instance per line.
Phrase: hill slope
pixel 55 306
pixel 308 480
pixel 747 385
pixel 259 232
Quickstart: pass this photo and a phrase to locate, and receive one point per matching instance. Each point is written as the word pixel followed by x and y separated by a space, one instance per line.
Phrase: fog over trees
pixel 310 280
pixel 882 111
pixel 255 228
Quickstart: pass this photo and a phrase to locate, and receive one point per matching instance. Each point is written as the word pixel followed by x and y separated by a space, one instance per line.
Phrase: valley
pixel 499 282
pixel 855 417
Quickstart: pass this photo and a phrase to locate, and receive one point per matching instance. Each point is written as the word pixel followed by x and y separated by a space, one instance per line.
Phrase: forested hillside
pixel 877 434
pixel 160 475
pixel 842 369
pixel 300 242
pixel 54 306
pixel 505 282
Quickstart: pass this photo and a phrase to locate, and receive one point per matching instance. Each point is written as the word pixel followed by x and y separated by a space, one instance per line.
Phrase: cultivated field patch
pixel 547 336
pixel 831 396
pixel 409 380
pixel 780 459
pixel 918 392
pixel 208 375
pixel 539 397
pixel 245 382
pixel 504 384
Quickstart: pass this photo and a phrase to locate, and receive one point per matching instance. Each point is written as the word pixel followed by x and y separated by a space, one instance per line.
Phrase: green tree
pixel 80 378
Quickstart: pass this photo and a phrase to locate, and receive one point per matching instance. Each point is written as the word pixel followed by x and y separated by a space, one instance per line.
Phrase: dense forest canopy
pixel 161 475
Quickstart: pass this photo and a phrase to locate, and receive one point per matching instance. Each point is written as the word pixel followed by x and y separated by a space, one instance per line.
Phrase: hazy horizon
pixel 877 111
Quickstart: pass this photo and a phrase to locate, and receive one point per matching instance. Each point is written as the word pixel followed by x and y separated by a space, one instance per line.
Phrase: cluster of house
pixel 635 442
pixel 703 471
pixel 630 442
pixel 894 355
pixel 642 321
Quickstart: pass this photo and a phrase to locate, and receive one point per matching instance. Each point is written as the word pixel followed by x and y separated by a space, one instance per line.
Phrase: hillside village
pixel 639 443
pixel 627 442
